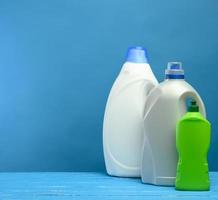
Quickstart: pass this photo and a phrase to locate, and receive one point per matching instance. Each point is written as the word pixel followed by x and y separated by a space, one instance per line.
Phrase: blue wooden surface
pixel 64 186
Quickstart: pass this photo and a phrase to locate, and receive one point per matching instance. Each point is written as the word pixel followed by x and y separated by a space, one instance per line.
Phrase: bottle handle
pixel 197 98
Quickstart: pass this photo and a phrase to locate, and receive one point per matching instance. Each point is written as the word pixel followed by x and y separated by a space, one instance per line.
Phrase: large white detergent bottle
pixel 165 105
pixel 123 119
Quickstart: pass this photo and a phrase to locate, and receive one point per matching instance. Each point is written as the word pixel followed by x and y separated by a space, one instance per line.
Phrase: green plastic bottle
pixel 192 142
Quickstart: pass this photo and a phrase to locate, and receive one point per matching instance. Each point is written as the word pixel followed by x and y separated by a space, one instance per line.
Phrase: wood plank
pixel 90 185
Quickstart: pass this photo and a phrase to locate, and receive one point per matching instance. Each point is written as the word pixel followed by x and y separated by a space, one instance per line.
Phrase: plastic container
pixel 165 105
pixel 123 119
pixel 192 142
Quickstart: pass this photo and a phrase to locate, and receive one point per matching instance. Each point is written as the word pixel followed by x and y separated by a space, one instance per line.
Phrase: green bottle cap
pixel 193 107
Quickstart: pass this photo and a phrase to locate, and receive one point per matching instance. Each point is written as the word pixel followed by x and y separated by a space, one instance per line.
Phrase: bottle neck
pixel 175 76
pixel 194 115
pixel 135 67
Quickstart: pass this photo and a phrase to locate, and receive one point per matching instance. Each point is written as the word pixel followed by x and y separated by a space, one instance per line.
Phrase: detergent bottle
pixel 123 118
pixel 165 105
pixel 192 142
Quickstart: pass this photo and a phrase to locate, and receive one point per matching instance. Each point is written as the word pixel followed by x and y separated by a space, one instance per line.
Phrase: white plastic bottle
pixel 165 105
pixel 123 119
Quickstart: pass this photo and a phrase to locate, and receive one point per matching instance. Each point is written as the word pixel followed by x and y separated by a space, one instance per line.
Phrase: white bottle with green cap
pixel 123 119
pixel 165 105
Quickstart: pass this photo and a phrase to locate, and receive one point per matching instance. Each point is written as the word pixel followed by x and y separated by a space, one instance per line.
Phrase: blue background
pixel 59 58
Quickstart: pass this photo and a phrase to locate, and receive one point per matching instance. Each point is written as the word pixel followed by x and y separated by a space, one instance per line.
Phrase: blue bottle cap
pixel 174 71
pixel 137 55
